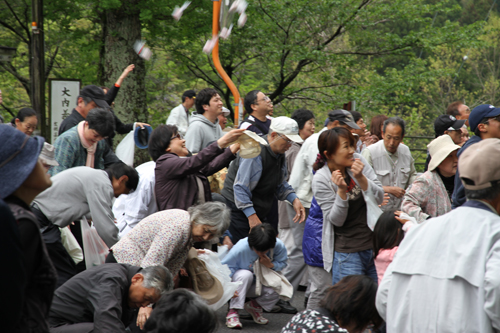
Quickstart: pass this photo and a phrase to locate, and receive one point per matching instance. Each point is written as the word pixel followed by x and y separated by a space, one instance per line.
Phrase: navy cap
pixel 480 112
pixel 141 136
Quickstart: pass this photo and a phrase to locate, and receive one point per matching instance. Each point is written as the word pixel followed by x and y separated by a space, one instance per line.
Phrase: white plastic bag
pixel 126 149
pixel 95 249
pixel 373 211
pixel 221 273
pixel 71 245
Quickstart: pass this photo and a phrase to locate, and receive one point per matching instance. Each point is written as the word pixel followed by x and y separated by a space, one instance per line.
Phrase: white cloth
pixel 179 118
pixel 267 277
pixel 266 300
pixel 130 209
pixel 445 276
pixel 334 208
pixel 302 173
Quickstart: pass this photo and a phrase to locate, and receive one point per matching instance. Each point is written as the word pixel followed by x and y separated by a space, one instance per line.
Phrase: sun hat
pixel 96 94
pixel 479 163
pixel 446 122
pixel 141 136
pixel 439 149
pixel 344 117
pixel 204 283
pixel 250 144
pixel 18 157
pixel 481 111
pixel 286 126
pixel 47 155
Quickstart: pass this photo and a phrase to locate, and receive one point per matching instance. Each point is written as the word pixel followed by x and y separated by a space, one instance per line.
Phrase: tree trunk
pixel 122 27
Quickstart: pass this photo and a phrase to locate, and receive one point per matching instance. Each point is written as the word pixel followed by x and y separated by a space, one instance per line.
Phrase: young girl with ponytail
pixel 338 185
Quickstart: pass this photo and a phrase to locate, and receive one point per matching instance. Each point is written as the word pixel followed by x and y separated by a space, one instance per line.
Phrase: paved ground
pixel 276 320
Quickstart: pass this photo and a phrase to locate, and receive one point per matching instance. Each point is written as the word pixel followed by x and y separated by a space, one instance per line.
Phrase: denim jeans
pixel 356 263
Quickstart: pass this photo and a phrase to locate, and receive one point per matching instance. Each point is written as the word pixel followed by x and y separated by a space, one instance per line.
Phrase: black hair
pixel 23 113
pixel 452 109
pixel 489 193
pixel 86 100
pixel 262 237
pixel 396 121
pixel 388 233
pixel 356 115
pixel 182 311
pixel 329 140
pixel 159 140
pixel 102 121
pixel 203 98
pixel 352 302
pixel 185 95
pixel 302 116
pixel 116 170
pixel 250 99
pixel 477 131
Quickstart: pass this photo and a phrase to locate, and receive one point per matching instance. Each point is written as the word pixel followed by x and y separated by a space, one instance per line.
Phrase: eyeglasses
pixel 287 140
pixel 497 118
pixel 177 136
pixel 265 99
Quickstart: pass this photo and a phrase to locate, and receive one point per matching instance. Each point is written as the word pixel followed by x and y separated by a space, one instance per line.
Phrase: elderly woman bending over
pixel 165 238
pixel 430 194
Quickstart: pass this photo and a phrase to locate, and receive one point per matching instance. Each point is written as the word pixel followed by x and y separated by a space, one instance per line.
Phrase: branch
pixel 11 69
pixel 9 110
pixel 9 27
pixel 272 18
pixel 23 25
pixel 51 64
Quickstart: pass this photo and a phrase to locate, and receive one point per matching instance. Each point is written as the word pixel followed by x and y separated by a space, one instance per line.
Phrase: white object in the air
pixel 210 44
pixel 466 57
pixel 242 20
pixel 225 32
pixel 177 13
pixel 141 49
pixel 238 6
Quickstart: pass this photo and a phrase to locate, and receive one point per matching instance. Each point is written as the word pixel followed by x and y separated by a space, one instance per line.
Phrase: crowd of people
pixel 342 214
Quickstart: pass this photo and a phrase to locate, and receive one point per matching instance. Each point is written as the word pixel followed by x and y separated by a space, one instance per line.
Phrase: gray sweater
pixel 334 208
pixel 78 192
pixel 201 132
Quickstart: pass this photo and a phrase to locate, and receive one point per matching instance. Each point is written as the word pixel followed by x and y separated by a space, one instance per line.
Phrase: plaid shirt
pixel 70 153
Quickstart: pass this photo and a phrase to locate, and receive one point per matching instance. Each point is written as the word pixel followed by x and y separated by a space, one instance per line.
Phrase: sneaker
pixel 275 309
pixel 233 320
pixel 286 307
pixel 255 310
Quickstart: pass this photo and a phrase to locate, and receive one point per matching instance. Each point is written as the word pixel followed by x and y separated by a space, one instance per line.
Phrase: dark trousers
pixel 239 227
pixel 63 263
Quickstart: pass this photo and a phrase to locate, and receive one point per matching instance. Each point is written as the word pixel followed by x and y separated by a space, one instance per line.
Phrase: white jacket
pixel 179 118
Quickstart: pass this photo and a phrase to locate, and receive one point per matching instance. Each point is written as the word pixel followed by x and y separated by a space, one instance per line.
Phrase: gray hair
pixel 213 214
pixel 489 193
pixel 157 277
pixel 395 121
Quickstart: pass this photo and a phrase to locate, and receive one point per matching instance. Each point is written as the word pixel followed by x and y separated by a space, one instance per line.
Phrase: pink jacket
pixel 384 258
pixel 426 197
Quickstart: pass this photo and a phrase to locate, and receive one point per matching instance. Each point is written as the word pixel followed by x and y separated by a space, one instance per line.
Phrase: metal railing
pixel 418 148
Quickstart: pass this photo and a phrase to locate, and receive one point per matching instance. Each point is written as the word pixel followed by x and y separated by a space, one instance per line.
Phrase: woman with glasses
pixel 26 121
pixel 181 180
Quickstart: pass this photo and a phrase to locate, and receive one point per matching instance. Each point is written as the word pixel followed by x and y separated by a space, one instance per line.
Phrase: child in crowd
pixel 388 233
pixel 262 245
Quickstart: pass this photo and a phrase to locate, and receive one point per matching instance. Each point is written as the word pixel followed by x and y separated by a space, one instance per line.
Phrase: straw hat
pixel 204 283
pixel 439 149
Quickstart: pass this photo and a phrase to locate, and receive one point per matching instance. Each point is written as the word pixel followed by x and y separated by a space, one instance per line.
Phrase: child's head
pixel 262 238
pixel 388 232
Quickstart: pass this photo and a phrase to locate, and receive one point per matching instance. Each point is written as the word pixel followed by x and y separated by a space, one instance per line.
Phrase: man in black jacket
pixel 106 297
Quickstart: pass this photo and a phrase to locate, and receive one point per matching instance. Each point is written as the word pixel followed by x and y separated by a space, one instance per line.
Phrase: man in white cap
pixel 223 119
pixel 251 184
pixel 445 276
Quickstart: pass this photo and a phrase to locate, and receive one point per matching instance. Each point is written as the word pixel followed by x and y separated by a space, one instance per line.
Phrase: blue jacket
pixel 311 243
pixel 458 197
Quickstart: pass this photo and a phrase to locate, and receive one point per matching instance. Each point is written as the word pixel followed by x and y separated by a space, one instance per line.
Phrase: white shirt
pixel 301 176
pixel 130 209
pixel 445 276
pixel 179 118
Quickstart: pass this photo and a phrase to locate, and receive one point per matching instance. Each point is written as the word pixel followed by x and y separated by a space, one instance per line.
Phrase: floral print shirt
pixel 163 238
pixel 313 321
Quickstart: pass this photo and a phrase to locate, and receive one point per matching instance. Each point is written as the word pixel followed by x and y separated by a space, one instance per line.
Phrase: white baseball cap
pixel 286 126
pixel 225 111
